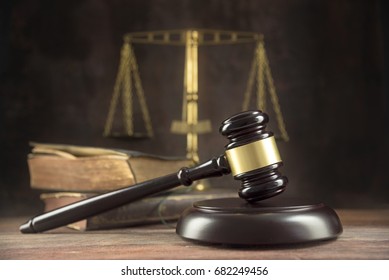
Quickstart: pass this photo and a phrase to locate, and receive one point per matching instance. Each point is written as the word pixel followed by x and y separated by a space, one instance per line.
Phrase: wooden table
pixel 365 236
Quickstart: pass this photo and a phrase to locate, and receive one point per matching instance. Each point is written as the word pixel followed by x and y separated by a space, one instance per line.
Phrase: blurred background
pixel 329 60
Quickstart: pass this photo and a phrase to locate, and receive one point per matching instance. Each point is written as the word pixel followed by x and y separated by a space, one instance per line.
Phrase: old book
pixel 162 208
pixel 89 169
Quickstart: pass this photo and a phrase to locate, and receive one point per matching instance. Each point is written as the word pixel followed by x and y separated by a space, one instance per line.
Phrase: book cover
pixel 58 167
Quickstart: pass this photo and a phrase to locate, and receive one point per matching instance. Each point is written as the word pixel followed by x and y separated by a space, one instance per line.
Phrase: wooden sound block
pixel 233 221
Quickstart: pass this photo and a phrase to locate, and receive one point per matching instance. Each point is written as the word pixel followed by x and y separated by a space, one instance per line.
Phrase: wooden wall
pixel 59 61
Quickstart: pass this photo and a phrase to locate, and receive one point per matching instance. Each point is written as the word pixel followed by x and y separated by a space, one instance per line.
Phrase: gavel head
pixel 253 156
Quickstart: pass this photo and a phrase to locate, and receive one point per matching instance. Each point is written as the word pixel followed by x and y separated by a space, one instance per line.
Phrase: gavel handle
pixel 107 201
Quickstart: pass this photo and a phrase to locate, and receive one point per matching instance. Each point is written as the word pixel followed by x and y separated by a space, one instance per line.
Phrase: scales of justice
pixel 128 83
pixel 251 157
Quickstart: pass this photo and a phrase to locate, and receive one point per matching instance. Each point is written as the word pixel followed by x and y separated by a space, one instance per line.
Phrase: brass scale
pixel 128 80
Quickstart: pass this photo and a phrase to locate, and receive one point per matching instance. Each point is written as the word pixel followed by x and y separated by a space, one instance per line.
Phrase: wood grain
pixel 365 236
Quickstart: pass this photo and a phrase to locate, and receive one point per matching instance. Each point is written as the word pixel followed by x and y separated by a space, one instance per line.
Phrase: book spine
pixel 157 209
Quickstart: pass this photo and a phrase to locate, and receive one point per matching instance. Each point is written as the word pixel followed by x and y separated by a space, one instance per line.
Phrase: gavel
pixel 251 156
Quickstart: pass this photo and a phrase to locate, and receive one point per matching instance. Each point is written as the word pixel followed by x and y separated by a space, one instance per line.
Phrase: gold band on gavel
pixel 252 156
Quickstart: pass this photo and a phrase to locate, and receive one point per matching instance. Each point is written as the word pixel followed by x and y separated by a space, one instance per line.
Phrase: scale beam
pixel 204 37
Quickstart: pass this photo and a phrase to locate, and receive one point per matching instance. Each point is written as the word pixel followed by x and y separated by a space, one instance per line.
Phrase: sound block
pixel 233 221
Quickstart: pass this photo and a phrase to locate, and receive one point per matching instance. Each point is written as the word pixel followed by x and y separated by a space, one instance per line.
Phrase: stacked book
pixel 66 174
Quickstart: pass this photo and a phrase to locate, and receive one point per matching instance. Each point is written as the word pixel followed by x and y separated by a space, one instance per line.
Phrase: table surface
pixel 365 236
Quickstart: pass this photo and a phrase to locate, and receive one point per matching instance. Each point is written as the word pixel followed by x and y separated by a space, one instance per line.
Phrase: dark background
pixel 329 59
